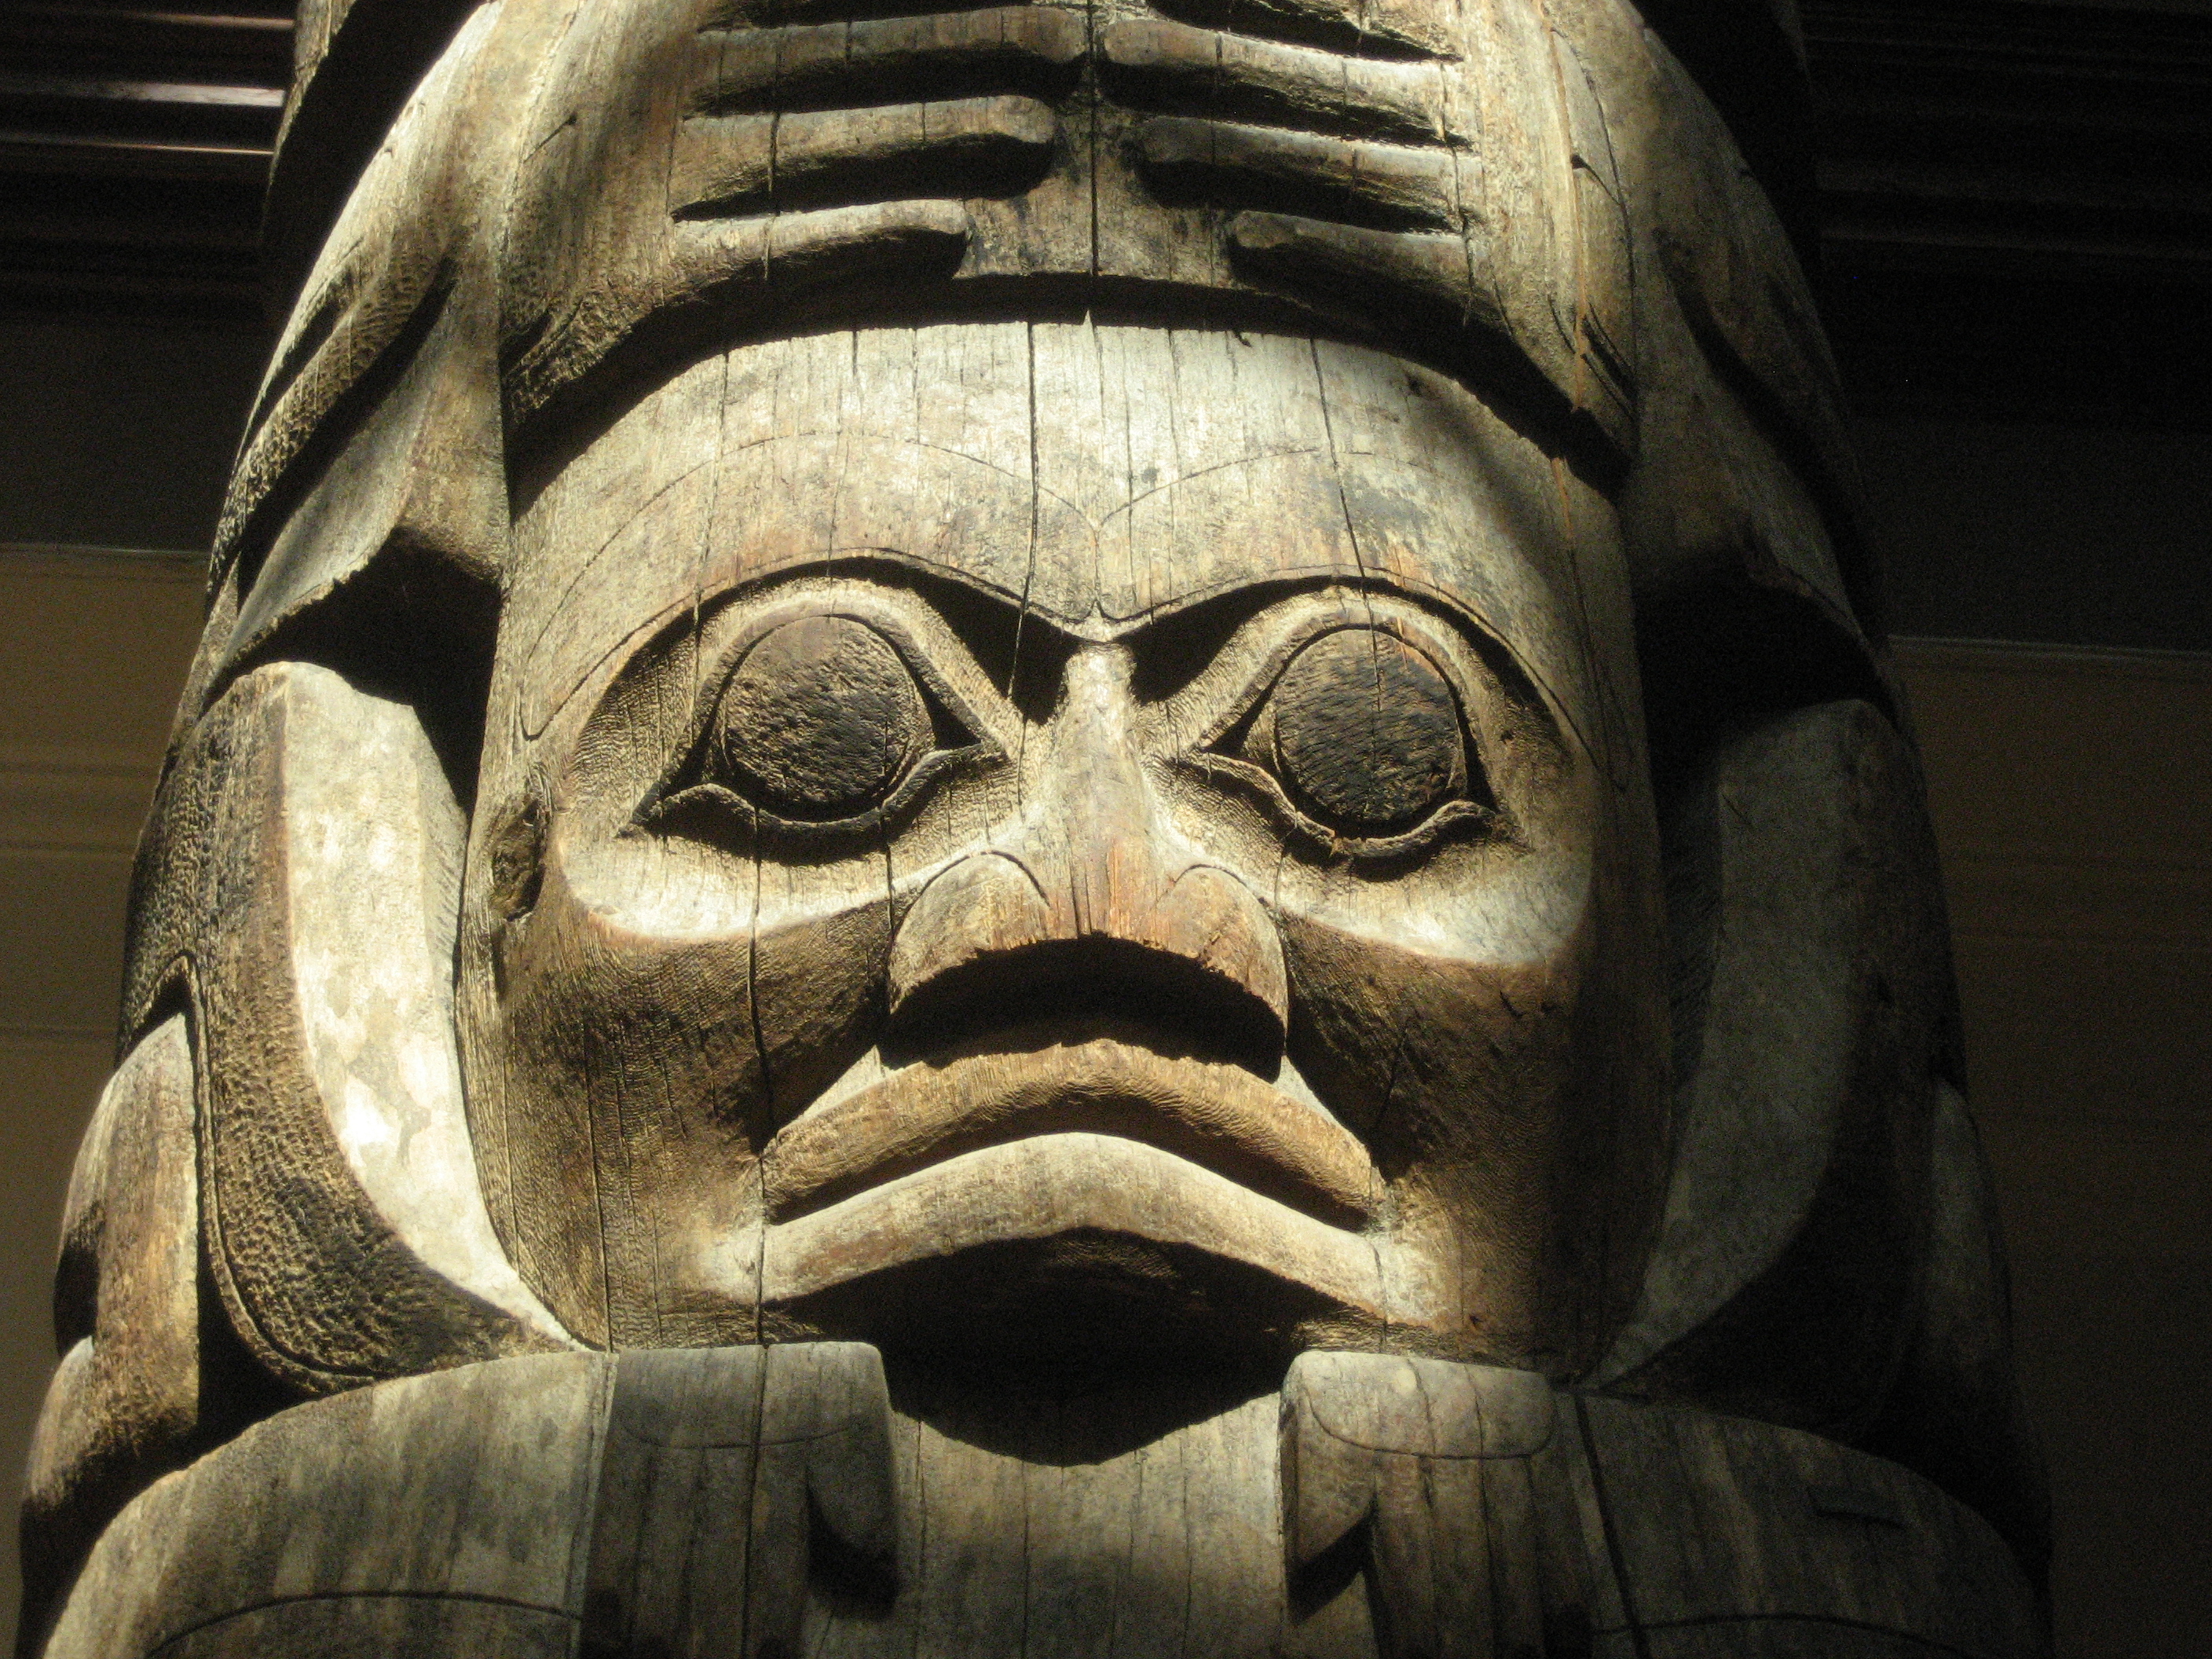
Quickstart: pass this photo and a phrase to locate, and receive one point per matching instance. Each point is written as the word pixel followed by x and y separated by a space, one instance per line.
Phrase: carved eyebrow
pixel 1177 644
pixel 1019 650
pixel 998 631
pixel 1023 651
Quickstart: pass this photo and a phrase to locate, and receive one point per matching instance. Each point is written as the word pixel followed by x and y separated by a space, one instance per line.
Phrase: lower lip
pixel 1049 1185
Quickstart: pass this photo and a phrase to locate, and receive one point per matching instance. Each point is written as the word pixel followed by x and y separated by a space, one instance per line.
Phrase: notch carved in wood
pixel 1433 1479
pixel 731 1480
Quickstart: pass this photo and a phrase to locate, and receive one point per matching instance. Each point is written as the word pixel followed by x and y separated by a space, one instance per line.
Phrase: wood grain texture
pixel 1129 833
pixel 1072 1518
pixel 1434 1461
pixel 1769 1638
pixel 1314 160
pixel 468 1487
pixel 383 308
pixel 298 889
pixel 723 1468
pixel 124 1404
pixel 374 1626
pixel 1717 1520
pixel 1807 1103
pixel 791 1500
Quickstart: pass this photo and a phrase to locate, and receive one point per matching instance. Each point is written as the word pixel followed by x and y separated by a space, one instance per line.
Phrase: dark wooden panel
pixel 134 142
pixel 2015 203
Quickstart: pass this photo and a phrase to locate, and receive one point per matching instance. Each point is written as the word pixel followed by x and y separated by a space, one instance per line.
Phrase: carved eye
pixel 821 721
pixel 1364 733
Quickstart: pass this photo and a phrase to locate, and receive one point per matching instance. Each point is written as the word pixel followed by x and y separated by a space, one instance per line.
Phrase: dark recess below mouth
pixel 1082 1302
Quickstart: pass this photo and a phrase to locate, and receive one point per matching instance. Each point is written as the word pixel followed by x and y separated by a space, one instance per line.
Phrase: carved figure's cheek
pixel 1434 1060
pixel 734 1024
pixel 591 1003
pixel 1433 999
pixel 662 933
pixel 1425 827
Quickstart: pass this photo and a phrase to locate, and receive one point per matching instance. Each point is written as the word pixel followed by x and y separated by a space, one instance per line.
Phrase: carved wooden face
pixel 1065 839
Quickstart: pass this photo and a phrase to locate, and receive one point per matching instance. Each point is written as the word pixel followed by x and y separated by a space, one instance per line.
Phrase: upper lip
pixel 1219 1116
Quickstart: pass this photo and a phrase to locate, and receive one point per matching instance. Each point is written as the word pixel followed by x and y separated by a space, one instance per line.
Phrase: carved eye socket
pixel 1364 733
pixel 821 721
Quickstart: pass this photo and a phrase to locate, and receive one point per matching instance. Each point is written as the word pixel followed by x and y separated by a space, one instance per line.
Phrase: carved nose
pixel 1093 906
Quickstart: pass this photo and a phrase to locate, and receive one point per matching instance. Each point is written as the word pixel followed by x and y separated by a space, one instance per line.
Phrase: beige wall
pixel 91 650
pixel 2074 796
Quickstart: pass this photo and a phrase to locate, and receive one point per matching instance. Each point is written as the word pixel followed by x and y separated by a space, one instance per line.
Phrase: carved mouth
pixel 1020 1198
pixel 1220 1117
pixel 1025 1244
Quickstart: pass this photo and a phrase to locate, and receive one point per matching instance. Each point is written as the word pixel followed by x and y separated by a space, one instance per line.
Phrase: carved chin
pixel 1072 1243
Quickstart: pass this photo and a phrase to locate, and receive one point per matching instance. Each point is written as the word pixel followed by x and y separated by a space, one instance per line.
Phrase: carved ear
pixel 1954 1411
pixel 368 503
pixel 302 871
pixel 1811 985
pixel 378 416
pixel 1829 1256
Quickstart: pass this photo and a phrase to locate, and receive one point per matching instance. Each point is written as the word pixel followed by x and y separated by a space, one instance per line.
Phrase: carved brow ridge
pixel 971 605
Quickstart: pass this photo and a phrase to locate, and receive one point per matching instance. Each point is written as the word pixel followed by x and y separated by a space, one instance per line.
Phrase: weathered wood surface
pixel 782 1500
pixel 1803 900
pixel 1457 161
pixel 375 1627
pixel 124 1404
pixel 1069 857
pixel 722 1470
pixel 1445 1478
pixel 299 898
pixel 465 1487
pixel 1718 1520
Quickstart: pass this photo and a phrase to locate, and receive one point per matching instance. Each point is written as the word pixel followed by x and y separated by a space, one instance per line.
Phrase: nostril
pixel 983 906
pixel 1072 990
pixel 1198 968
pixel 1211 918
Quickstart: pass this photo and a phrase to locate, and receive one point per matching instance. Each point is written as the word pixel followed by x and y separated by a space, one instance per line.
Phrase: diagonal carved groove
pixel 1155 64
pixel 1005 49
pixel 1413 29
pixel 769 13
pixel 1427 273
pixel 1383 187
pixel 731 165
pixel 743 265
pixel 1430 290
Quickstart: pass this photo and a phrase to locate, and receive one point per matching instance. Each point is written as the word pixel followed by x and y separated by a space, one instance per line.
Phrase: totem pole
pixel 1041 830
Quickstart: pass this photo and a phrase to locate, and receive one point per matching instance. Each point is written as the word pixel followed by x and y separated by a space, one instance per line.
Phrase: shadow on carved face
pixel 912 964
